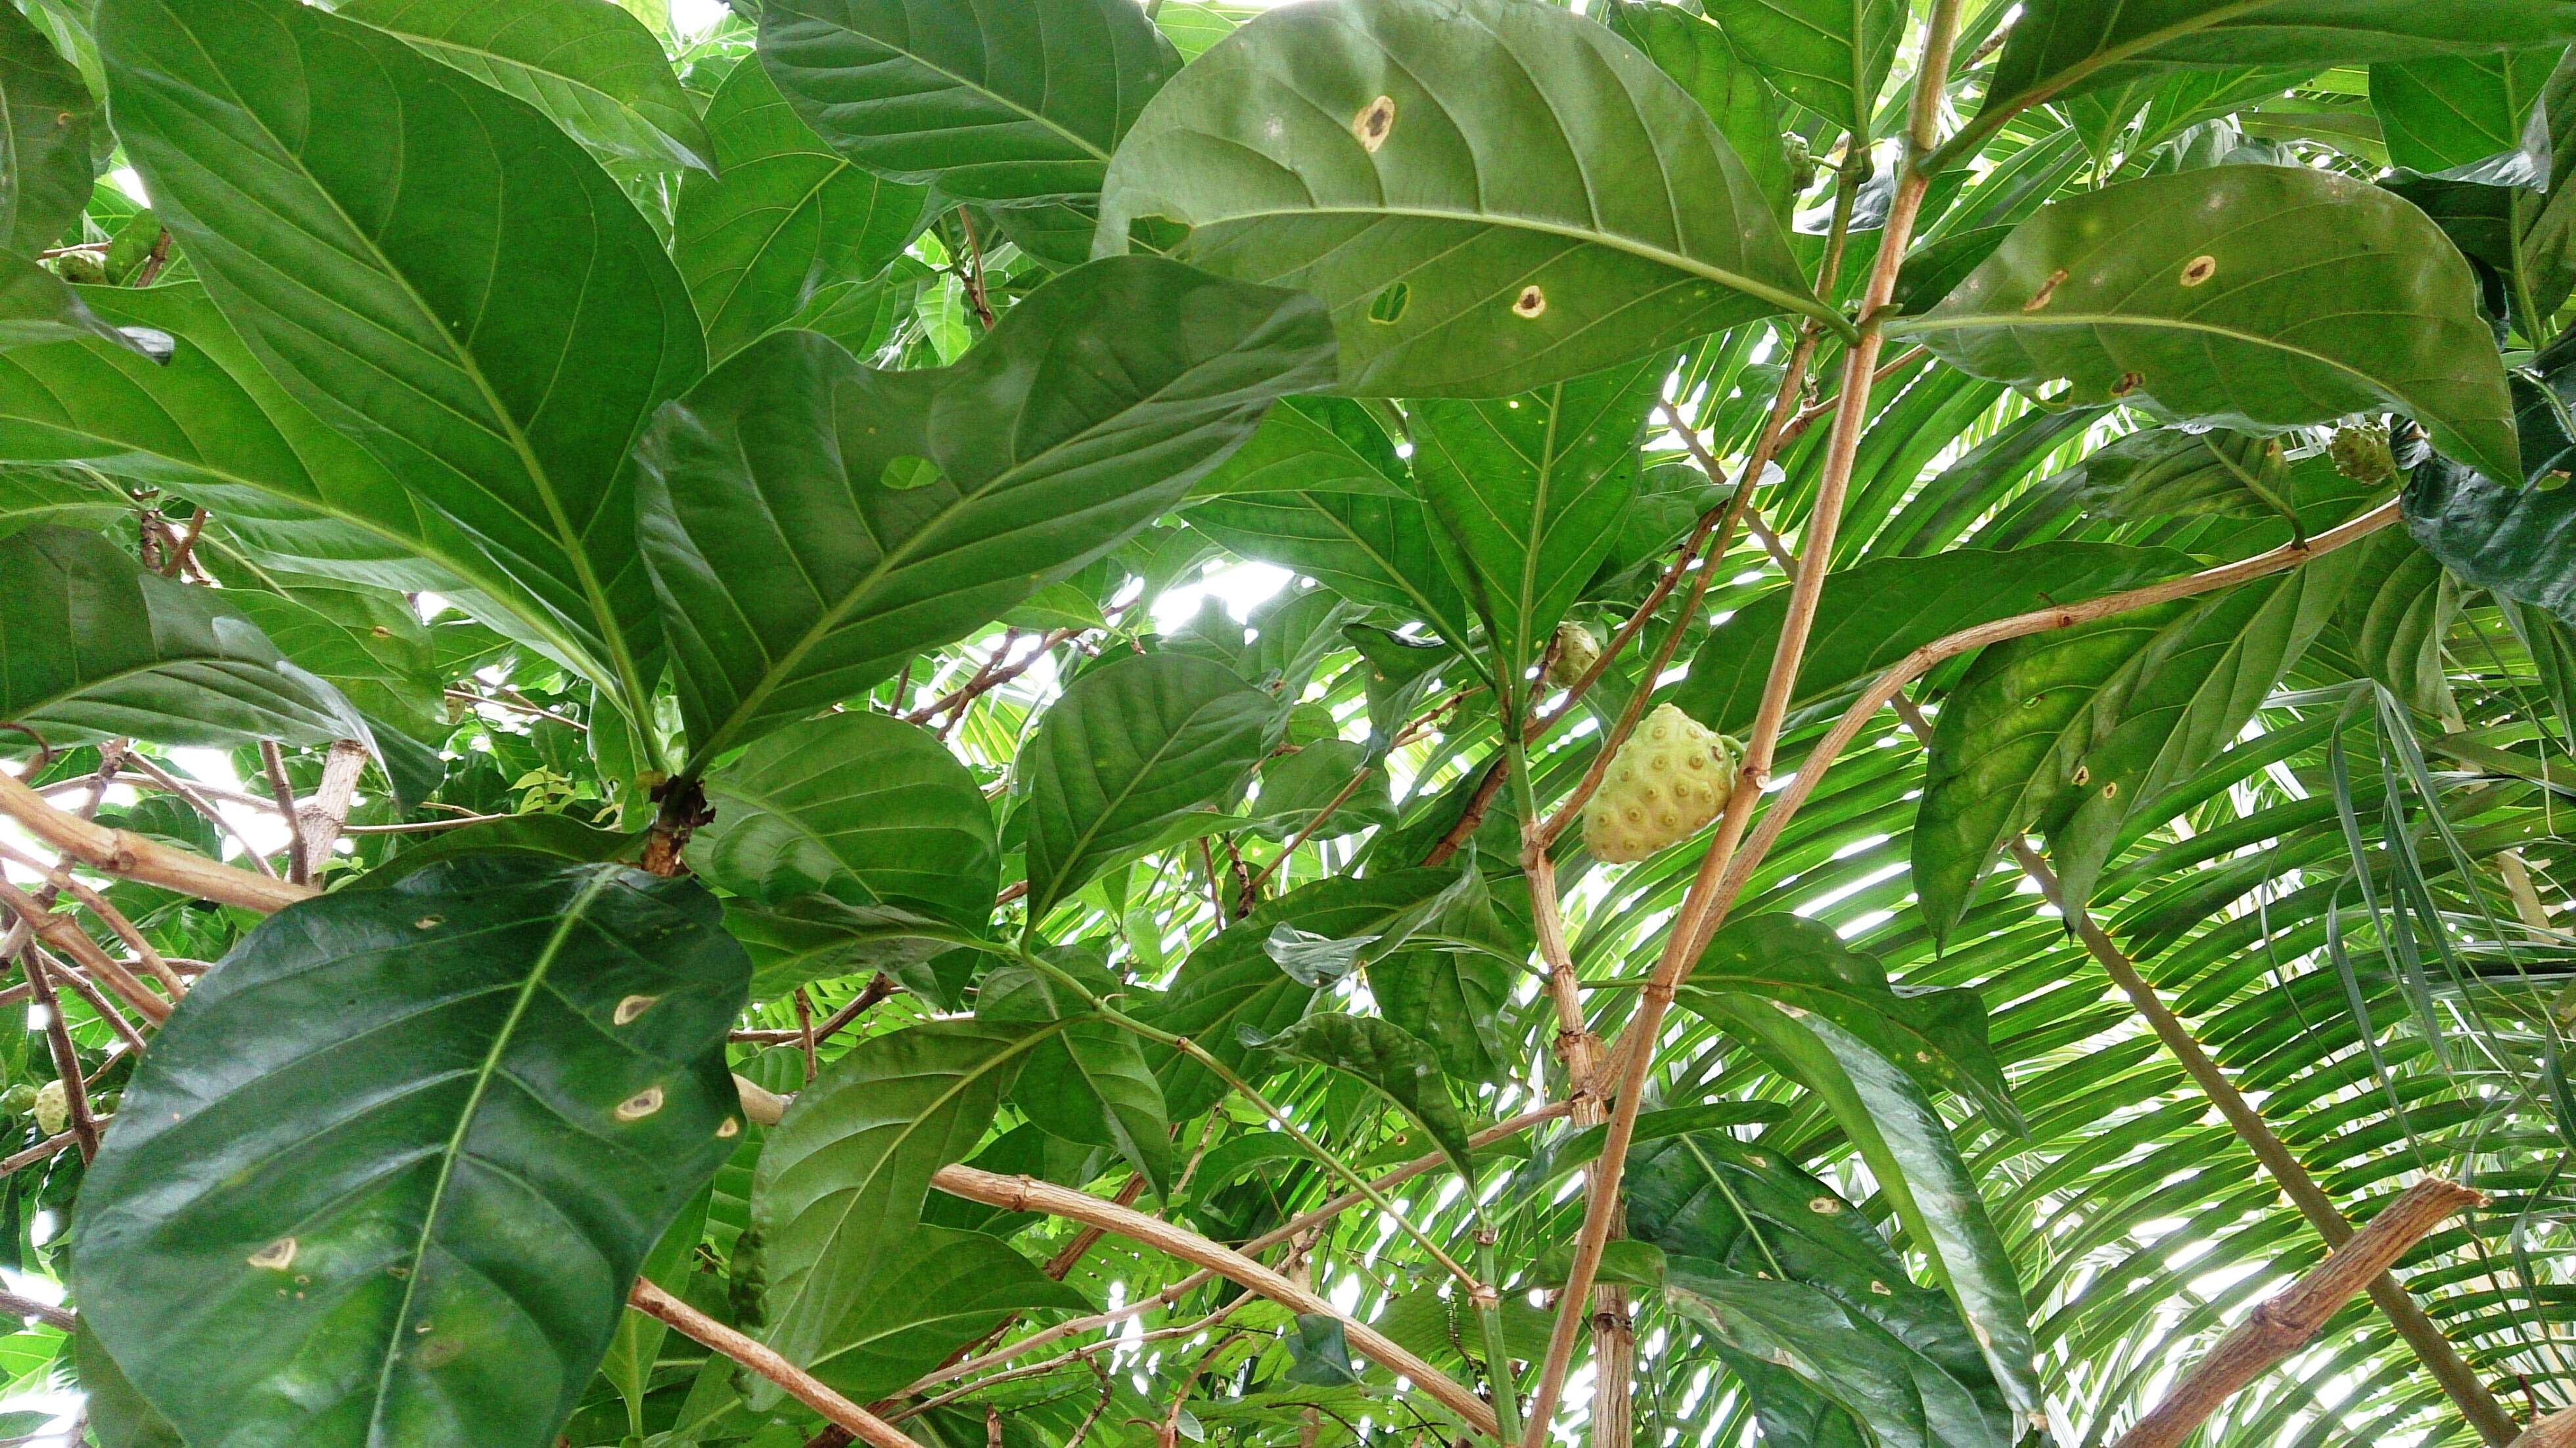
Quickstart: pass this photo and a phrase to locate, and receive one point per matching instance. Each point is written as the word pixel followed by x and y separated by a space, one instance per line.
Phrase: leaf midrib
pixel 573 916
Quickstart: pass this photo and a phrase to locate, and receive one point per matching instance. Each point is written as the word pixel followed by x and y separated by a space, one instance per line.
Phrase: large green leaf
pixel 32 496
pixel 1232 986
pixel 1939 1036
pixel 37 307
pixel 590 66
pixel 1128 749
pixel 1808 1358
pixel 2073 730
pixel 1918 1169
pixel 861 806
pixel 840 1186
pixel 2065 47
pixel 2521 542
pixel 1320 489
pixel 801 552
pixel 1881 609
pixel 2255 297
pixel 1490 196
pixel 1831 56
pixel 1711 63
pixel 948 1290
pixel 993 101
pixel 787 230
pixel 1390 1060
pixel 1089 1084
pixel 2477 117
pixel 297 1235
pixel 1527 494
pixel 45 118
pixel 94 646
pixel 493 324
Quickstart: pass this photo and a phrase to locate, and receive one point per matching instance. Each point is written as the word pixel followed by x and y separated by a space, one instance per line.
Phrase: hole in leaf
pixel 1387 306
pixel 277 1256
pixel 905 473
pixel 640 1105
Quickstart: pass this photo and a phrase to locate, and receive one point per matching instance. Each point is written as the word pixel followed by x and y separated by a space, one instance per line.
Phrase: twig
pixel 973 277
pixel 89 993
pixel 867 1427
pixel 50 1146
pixel 878 988
pixel 2283 1324
pixel 514 706
pixel 299 861
pixel 58 1038
pixel 65 935
pixel 1020 1194
pixel 126 854
pixel 34 1311
pixel 203 806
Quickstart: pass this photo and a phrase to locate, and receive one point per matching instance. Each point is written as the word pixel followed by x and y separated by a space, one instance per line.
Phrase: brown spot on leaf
pixel 1373 123
pixel 640 1105
pixel 277 1256
pixel 2199 269
pixel 1529 303
pixel 2047 291
pixel 2129 382
pixel 631 1007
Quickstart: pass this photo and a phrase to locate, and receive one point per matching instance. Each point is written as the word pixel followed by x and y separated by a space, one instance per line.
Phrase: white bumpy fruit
pixel 53 1108
pixel 1666 784
pixel 1576 651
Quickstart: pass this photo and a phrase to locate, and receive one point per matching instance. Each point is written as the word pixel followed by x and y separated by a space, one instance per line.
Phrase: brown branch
pixel 58 1040
pixel 2283 1324
pixel 321 820
pixel 1020 1194
pixel 878 988
pixel 31 1310
pixel 299 860
pixel 2558 1430
pixel 1302 836
pixel 65 936
pixel 55 969
pixel 50 1146
pixel 1474 815
pixel 1703 902
pixel 121 852
pixel 863 1425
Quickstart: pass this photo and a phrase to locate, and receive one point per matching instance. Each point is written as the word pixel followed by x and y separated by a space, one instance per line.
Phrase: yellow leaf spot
pixel 1373 123
pixel 631 1007
pixel 2199 269
pixel 277 1256
pixel 640 1105
pixel 1529 303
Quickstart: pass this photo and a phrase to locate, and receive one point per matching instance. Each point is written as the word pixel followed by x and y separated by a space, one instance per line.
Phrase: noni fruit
pixel 2362 453
pixel 53 1108
pixel 1666 784
pixel 1576 651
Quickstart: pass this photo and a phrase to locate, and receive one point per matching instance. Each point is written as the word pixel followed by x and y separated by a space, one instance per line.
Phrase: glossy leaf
pixel 866 808
pixel 2226 296
pixel 1798 1349
pixel 1130 748
pixel 786 230
pixel 94 647
pixel 290 1236
pixel 46 114
pixel 1230 987
pixel 2474 117
pixel 991 101
pixel 794 575
pixel 2072 731
pixel 1089 1084
pixel 1709 61
pixel 1392 1061
pixel 1582 210
pixel 813 937
pixel 947 1291
pixel 590 66
pixel 2521 542
pixel 839 1190
pixel 1938 1036
pixel 2066 47
pixel 1527 493
pixel 38 307
pixel 259 127
pixel 1831 56
pixel 1881 609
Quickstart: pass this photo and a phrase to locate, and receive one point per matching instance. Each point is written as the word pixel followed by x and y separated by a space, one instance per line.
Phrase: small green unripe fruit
pixel 53 1109
pixel 1576 652
pixel 1665 784
pixel 18 1100
pixel 2362 454
pixel 79 266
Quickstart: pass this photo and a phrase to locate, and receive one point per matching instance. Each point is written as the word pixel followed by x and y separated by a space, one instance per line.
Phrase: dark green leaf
pixel 839 1190
pixel 92 646
pixel 993 103
pixel 1938 1036
pixel 292 1233
pixel 1708 61
pixel 45 119
pixel 787 230
pixel 2520 542
pixel 1391 1060
pixel 494 331
pixel 2255 297
pixel 813 937
pixel 1831 56
pixel 1321 1353
pixel 1351 149
pixel 37 307
pixel 1130 748
pixel 860 806
pixel 589 65
pixel 117 1413
pixel 1527 493
pixel 2473 117
pixel 60 496
pixel 948 1290
pixel 793 577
